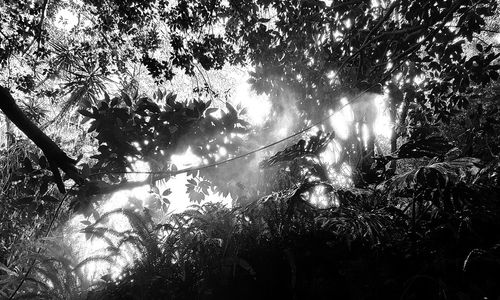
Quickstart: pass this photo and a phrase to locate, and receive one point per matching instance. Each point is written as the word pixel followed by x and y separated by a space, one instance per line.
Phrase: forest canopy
pixel 327 148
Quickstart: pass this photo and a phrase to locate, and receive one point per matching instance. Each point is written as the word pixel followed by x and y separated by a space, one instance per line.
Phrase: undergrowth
pixel 431 233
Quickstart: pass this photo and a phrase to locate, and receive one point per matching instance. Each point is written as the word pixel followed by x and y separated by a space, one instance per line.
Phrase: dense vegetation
pixel 414 215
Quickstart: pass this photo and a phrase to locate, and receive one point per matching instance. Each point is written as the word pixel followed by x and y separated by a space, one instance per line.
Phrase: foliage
pixel 159 131
pixel 282 246
pixel 28 197
pixel 475 129
pixel 421 222
pixel 53 273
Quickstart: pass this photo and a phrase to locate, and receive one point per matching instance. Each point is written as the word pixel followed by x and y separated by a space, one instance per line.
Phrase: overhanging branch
pixel 55 155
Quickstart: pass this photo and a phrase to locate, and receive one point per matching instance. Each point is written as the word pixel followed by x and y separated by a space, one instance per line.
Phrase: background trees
pixel 432 63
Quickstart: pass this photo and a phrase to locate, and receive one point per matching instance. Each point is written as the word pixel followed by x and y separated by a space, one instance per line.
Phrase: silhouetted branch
pixel 55 155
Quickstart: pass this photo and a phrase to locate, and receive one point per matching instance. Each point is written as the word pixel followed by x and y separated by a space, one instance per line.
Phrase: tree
pixel 323 52
pixel 330 49
pixel 307 55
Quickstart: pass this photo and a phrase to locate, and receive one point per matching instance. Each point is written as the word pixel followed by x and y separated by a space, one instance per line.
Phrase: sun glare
pixel 258 107
pixel 186 159
pixel 342 120
pixel 382 126
pixel 331 153
pixel 258 112
pixel 138 166
pixel 135 198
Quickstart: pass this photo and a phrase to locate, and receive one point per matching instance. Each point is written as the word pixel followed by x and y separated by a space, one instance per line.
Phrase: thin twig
pixel 372 31
pixel 38 35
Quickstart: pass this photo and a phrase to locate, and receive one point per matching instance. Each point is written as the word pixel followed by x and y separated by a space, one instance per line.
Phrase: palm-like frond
pixel 64 58
pixel 84 90
pixel 84 82
pixel 52 274
pixel 446 173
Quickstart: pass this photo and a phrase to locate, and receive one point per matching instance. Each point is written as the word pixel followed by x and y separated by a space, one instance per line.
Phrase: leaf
pixel 7 270
pixel 196 197
pixel 42 162
pixel 86 113
pixel 231 109
pixel 114 102
pixel 210 110
pixel 434 65
pixel 127 99
pixel 113 178
pixel 86 222
pixel 166 192
pixel 93 126
pixel 85 120
pixel 33 156
pixel 136 93
pixel 25 200
pixel 51 199
pixel 494 75
pixel 170 99
pixel 104 106
pixel 28 167
pixel 85 170
pixel 154 190
pixel 44 186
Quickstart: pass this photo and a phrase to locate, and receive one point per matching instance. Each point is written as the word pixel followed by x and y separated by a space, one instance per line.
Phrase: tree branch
pixel 370 34
pixel 39 29
pixel 382 20
pixel 55 155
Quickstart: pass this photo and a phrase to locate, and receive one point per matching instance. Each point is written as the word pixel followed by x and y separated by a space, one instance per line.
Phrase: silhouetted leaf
pixel 86 113
pixel 28 167
pixel 127 99
pixel 50 199
pixel 42 162
pixel 25 200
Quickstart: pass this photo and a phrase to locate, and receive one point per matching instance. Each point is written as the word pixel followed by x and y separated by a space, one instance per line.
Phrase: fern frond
pixel 50 274
pixel 96 258
pixel 38 295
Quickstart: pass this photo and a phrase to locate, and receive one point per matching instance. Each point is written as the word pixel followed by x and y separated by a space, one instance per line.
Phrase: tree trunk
pixel 55 155
pixel 395 98
pixel 9 136
pixel 394 134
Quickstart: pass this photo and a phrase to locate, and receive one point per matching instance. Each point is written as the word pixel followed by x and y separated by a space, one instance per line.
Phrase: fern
pixel 95 258
pixel 52 274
